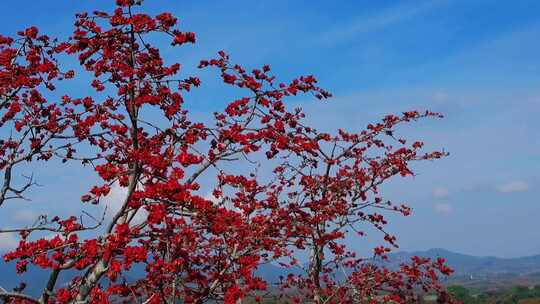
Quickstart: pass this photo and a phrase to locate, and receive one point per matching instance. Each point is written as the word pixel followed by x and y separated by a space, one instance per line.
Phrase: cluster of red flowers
pixel 195 247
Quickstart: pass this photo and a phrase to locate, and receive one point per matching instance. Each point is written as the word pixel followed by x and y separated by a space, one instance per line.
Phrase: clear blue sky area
pixel 478 62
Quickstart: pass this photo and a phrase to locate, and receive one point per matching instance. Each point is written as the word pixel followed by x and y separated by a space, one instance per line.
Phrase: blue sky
pixel 475 61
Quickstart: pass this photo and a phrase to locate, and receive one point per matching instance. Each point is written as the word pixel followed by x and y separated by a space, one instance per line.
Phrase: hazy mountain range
pixel 464 266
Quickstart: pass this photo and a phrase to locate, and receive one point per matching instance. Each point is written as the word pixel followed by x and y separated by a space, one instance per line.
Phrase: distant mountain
pixel 35 278
pixel 274 273
pixel 465 266
pixel 473 265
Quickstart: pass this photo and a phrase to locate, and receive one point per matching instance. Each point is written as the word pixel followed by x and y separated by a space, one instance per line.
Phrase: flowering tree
pixel 196 248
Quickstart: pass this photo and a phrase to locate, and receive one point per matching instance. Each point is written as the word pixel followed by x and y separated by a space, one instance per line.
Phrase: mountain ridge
pixel 464 265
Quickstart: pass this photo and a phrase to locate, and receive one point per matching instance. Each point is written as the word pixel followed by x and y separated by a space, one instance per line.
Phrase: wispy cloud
pixel 225 203
pixel 442 208
pixel 367 24
pixel 8 241
pixel 441 192
pixel 513 186
pixel 440 97
pixel 26 216
pixel 114 200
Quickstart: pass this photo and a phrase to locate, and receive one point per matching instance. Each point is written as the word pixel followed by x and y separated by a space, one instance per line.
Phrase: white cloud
pixel 440 97
pixel 114 201
pixel 225 203
pixel 513 186
pixel 26 216
pixel 441 192
pixel 210 197
pixel 442 208
pixel 8 241
pixel 367 24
